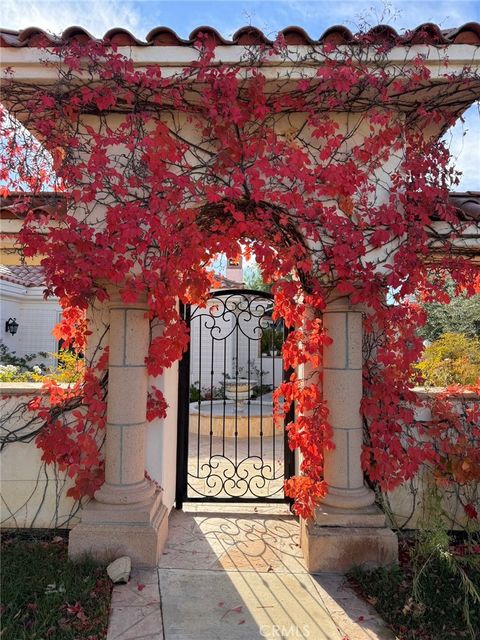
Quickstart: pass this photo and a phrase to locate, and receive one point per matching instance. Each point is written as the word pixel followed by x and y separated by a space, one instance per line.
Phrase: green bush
pixel 272 340
pixel 15 368
pixel 460 315
pixel 438 601
pixel 195 394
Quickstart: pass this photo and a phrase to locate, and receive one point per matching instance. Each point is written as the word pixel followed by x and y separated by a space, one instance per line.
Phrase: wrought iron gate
pixel 228 446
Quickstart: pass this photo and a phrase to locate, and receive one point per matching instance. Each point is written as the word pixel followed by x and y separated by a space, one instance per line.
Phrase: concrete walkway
pixel 237 577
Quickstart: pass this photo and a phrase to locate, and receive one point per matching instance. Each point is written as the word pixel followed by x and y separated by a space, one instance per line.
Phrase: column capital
pixel 342 304
pixel 115 300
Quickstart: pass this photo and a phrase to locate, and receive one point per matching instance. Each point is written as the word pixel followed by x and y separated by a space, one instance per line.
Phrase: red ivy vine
pixel 324 172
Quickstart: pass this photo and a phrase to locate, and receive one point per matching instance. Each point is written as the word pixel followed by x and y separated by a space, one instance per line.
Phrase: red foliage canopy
pixel 323 171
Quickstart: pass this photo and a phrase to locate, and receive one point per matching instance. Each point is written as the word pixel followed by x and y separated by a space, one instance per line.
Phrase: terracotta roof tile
pixel 337 34
pixel 33 276
pixel 468 204
pixel 210 32
pixel 121 37
pixel 468 33
pixel 15 205
pixel 296 36
pixel 427 33
pixel 164 36
pixel 250 36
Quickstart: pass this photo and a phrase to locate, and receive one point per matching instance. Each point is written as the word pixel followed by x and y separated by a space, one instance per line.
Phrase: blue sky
pixel 270 15
pixel 140 16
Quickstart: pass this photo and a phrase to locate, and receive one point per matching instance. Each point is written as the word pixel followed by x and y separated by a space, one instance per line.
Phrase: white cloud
pixel 401 14
pixel 463 143
pixel 97 16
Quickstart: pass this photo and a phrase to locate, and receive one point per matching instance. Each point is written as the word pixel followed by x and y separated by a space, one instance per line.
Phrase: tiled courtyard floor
pixel 237 577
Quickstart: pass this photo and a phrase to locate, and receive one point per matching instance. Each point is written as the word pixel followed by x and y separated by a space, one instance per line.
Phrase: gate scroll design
pixel 228 447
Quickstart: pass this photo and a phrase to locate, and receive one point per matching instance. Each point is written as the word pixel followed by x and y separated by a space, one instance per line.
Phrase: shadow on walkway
pixel 238 576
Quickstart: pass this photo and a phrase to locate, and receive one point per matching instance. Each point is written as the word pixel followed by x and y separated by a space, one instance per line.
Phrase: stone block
pixel 116 338
pixel 339 549
pixel 335 355
pixel 335 473
pixel 133 454
pixel 345 329
pixel 119 570
pixel 343 391
pixel 106 541
pixel 326 516
pixel 113 454
pixel 137 337
pixel 352 499
pixel 127 395
pixel 112 495
pixel 126 513
pixel 354 341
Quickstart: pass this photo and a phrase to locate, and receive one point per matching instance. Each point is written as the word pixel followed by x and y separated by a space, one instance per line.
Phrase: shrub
pixel 452 359
pixel 22 363
pixel 460 315
pixel 12 373
pixel 70 367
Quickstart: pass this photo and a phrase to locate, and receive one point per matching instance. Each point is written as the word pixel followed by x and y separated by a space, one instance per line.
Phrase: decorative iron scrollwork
pixel 232 449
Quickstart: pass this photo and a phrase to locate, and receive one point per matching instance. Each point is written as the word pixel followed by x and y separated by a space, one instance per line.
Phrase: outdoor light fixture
pixel 11 326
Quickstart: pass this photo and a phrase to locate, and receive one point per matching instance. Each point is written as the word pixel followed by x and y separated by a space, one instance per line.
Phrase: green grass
pixel 426 598
pixel 46 596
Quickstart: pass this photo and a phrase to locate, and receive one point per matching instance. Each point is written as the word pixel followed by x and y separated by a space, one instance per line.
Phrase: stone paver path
pixel 238 577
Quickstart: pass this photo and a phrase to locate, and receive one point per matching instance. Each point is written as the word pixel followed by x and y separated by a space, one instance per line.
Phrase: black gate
pixel 229 448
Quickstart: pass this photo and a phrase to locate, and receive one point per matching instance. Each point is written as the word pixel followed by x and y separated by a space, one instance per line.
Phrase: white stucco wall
pixel 161 438
pixel 410 502
pixel 33 494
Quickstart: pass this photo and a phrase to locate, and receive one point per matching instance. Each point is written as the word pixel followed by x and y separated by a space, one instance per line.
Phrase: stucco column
pixel 127 405
pixel 347 529
pixel 342 389
pixel 127 516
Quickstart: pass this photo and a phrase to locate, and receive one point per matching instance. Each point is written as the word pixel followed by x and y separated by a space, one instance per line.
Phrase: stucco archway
pixel 129 514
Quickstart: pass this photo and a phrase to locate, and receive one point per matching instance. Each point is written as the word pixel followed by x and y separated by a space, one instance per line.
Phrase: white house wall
pixel 225 352
pixel 201 343
pixel 36 318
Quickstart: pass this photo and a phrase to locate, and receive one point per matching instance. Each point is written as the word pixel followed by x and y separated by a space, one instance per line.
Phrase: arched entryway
pixel 229 447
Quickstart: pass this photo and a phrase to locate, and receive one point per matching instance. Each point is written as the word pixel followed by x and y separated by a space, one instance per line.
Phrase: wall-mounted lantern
pixel 11 326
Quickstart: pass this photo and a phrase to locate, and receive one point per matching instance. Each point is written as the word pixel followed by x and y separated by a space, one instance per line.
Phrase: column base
pixel 327 516
pixel 125 494
pixel 352 499
pixel 108 531
pixel 338 540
